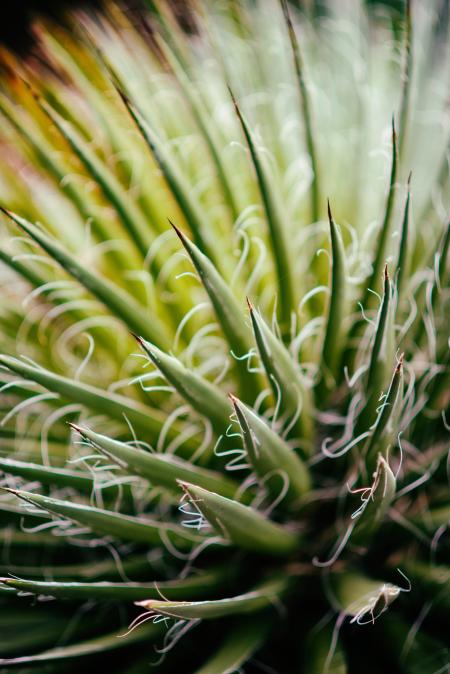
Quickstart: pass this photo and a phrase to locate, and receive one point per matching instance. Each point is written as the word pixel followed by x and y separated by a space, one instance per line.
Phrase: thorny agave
pixel 263 479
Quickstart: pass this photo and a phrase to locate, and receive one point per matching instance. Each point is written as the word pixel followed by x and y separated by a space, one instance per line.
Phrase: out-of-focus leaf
pixel 97 645
pixel 120 303
pixel 239 645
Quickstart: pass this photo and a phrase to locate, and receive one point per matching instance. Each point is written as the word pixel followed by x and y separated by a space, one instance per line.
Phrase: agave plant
pixel 223 435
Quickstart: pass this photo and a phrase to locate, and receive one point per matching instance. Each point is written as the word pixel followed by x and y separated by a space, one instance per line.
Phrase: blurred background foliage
pixel 16 18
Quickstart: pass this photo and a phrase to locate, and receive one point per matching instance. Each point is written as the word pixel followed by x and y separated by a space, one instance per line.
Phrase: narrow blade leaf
pixel 159 469
pixel 239 645
pixel 202 395
pixel 142 417
pixel 263 596
pixel 381 357
pixel 402 260
pixel 306 110
pixel 334 337
pixel 228 312
pixel 241 525
pixel 385 430
pixel 376 503
pixel 138 228
pixel 119 302
pixel 98 645
pixel 383 236
pixel 179 187
pixel 270 455
pixel 277 231
pixel 285 379
pixel 363 599
pixel 124 527
pixel 195 586
pixel 60 477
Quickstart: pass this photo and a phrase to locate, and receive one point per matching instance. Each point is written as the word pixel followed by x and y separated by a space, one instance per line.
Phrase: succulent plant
pixel 224 440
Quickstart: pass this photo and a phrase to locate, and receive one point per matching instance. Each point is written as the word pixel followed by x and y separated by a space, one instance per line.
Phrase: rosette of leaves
pixel 224 440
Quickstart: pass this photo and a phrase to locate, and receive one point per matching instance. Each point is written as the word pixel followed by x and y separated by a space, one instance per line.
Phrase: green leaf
pixel 362 599
pixel 241 525
pixel 385 430
pixel 228 312
pixel 434 518
pixel 306 110
pixel 270 455
pixel 195 586
pixel 406 81
pixel 103 568
pixel 368 517
pixel 381 357
pixel 433 580
pixel 402 259
pixel 421 655
pixel 243 639
pixel 376 503
pixel 178 185
pixel 60 477
pixel 37 280
pixel 11 513
pixel 135 316
pixel 322 655
pixel 383 237
pixel 263 596
pixel 98 645
pixel 202 118
pixel 125 527
pixel 159 469
pixel 203 396
pixel 277 230
pixel 381 349
pixel 48 160
pixel 334 334
pixel 21 632
pixel 141 417
pixel 26 271
pixel 285 379
pixel 440 258
pixel 22 539
pixel 367 300
pixel 134 221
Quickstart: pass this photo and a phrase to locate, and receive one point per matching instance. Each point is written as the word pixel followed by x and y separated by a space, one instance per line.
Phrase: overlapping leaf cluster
pixel 223 401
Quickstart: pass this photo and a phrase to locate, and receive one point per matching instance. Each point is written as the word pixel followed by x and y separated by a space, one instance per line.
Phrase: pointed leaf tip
pixel 177 231
pixel 260 597
pixel 6 211
pixel 241 525
pixel 137 337
pixel 269 454
pixel 330 216
pixel 76 428
pixel 10 491
pixel 233 98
